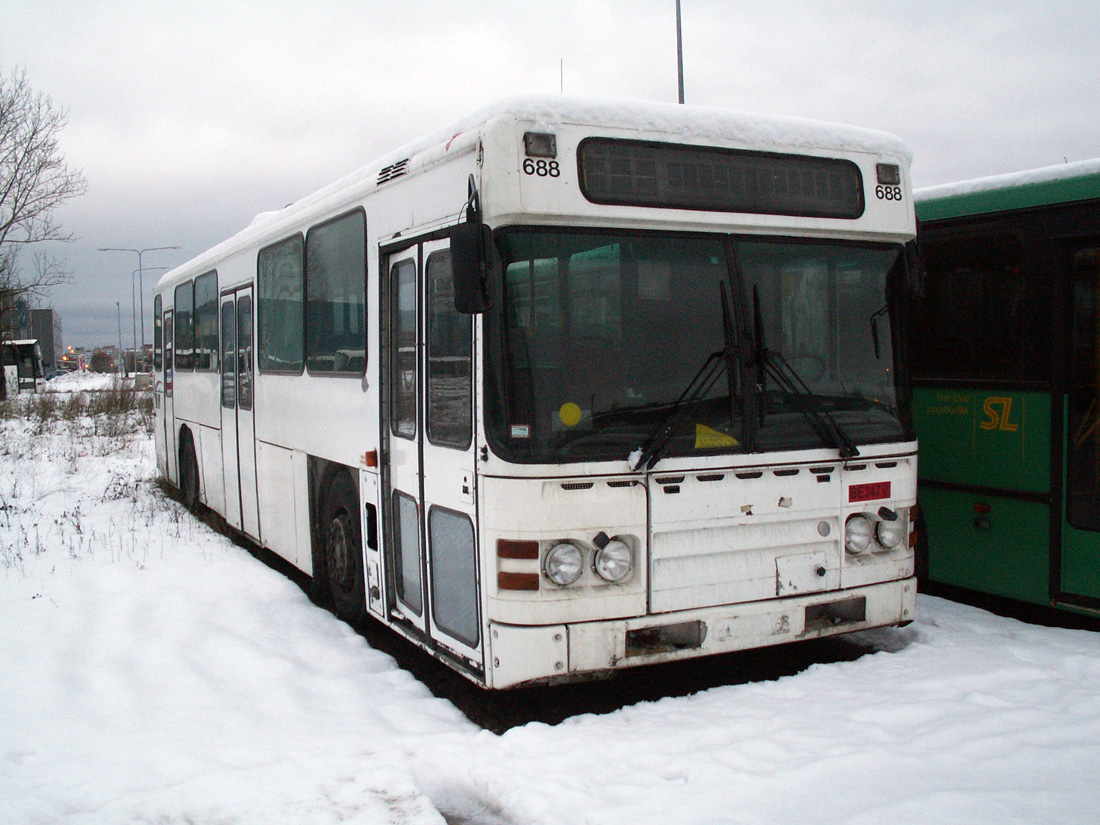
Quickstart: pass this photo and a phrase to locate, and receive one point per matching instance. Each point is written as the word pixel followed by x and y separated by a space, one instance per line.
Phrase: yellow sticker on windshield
pixel 570 414
pixel 707 438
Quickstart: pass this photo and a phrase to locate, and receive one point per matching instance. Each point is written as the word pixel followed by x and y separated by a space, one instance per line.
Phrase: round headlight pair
pixel 859 532
pixel 564 562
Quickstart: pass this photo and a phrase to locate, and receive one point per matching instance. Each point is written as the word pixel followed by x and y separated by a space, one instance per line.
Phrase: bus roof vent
pixel 394 170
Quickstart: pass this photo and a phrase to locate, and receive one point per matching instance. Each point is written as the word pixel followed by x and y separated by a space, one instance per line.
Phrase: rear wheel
pixel 342 539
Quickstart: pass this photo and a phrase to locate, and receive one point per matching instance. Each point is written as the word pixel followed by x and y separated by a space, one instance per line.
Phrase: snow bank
pixel 80 380
pixel 155 672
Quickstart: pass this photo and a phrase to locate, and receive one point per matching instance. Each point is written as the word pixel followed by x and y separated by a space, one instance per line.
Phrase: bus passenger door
pixel 238 425
pixel 1080 550
pixel 448 459
pixel 171 456
pixel 404 542
pixel 433 550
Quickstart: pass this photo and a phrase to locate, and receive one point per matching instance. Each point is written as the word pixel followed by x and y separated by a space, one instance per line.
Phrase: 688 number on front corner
pixel 888 193
pixel 541 168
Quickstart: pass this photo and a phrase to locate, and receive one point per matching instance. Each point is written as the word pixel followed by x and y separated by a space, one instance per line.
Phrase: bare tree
pixel 34 182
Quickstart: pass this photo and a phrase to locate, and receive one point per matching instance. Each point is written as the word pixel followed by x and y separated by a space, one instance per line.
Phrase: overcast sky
pixel 188 118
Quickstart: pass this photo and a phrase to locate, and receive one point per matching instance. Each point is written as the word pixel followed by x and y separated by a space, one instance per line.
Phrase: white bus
pixel 566 387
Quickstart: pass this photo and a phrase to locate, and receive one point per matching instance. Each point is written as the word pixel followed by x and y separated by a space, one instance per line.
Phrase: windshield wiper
pixel 717 363
pixel 801 396
pixel 806 402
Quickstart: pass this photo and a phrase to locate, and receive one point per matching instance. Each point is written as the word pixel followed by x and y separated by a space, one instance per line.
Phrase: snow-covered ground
pixel 151 671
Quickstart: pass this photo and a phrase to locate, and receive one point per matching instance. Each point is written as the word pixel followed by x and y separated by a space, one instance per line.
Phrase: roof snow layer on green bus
pixel 1021 190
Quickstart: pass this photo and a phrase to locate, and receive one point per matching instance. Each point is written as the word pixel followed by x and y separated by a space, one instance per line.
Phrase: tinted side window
pixel 206 321
pixel 336 296
pixel 281 311
pixel 980 319
pixel 185 326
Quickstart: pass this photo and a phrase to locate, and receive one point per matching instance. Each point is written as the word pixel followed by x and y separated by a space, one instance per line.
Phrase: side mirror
pixel 471 265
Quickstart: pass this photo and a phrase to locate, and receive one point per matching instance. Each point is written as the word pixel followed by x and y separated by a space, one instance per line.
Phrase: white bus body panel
pixel 737 558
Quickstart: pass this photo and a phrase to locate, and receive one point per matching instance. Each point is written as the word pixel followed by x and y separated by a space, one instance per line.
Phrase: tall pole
pixel 141 283
pixel 133 304
pixel 679 52
pixel 119 354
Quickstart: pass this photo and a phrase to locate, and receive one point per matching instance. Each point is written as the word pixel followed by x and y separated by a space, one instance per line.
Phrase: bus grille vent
pixel 394 170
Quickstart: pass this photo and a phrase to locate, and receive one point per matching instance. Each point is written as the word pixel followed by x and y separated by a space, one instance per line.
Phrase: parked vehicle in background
pixel 1006 371
pixel 22 365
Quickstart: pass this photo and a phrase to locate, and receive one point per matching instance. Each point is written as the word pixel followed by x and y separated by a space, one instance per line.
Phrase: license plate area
pixel 834 614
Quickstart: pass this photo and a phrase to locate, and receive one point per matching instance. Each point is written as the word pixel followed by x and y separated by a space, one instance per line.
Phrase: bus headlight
pixel 858 533
pixel 614 561
pixel 890 533
pixel 563 564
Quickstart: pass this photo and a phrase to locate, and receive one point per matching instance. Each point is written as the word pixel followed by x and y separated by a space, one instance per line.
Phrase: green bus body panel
pixel 1000 441
pixel 986 491
pixel 1080 557
pixel 984 438
pixel 1008 197
pixel 988 543
pixel 1080 562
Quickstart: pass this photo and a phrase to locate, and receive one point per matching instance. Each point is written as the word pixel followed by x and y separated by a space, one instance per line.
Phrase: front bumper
pixel 524 654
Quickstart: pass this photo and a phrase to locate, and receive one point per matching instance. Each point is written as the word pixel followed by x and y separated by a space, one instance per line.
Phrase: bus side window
pixel 229 356
pixel 450 387
pixel 280 306
pixel 206 321
pixel 336 336
pixel 185 326
pixel 983 318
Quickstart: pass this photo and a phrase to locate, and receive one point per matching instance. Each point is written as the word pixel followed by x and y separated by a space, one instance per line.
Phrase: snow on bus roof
pixel 1046 174
pixel 694 124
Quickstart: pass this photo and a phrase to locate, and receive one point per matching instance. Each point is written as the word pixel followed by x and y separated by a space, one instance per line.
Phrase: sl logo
pixel 999 409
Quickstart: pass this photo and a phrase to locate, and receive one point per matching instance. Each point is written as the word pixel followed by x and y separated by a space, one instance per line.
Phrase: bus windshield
pixel 601 342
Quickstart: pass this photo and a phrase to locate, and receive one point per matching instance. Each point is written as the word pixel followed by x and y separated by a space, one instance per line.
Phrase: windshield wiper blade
pixel 717 363
pixel 688 402
pixel 773 363
pixel 806 402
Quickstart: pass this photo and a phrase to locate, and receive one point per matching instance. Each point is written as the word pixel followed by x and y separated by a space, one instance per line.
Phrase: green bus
pixel 1005 368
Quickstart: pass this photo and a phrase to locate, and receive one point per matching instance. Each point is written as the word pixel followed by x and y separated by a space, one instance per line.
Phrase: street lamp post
pixel 119 356
pixel 137 273
pixel 140 270
pixel 679 52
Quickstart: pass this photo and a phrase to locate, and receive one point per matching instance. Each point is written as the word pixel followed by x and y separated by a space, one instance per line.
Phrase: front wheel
pixel 189 475
pixel 341 537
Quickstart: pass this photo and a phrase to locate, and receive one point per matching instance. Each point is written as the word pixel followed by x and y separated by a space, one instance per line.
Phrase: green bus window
pixel 983 318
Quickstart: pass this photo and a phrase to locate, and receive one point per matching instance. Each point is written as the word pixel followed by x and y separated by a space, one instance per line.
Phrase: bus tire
pixel 189 473
pixel 342 543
